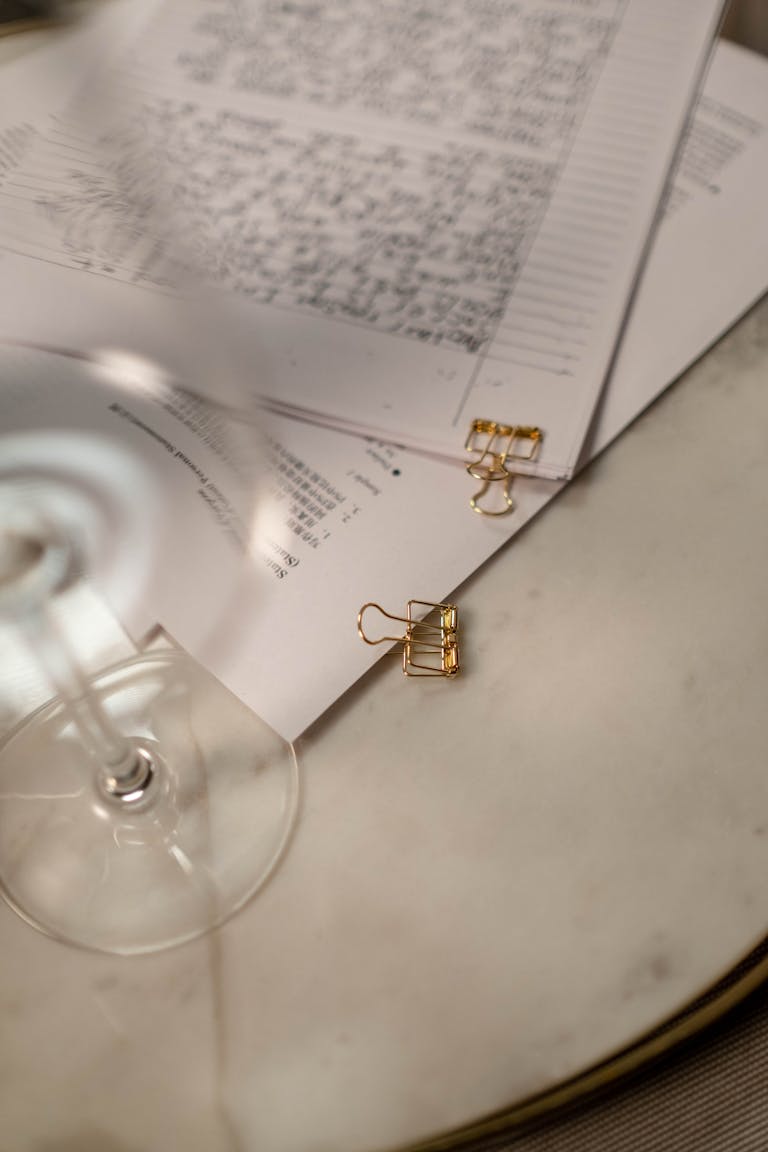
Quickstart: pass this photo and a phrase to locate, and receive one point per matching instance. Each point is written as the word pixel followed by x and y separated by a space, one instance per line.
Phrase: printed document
pixel 356 520
pixel 425 212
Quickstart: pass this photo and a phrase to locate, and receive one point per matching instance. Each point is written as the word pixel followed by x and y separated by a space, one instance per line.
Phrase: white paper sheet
pixel 406 529
pixel 428 213
pixel 357 521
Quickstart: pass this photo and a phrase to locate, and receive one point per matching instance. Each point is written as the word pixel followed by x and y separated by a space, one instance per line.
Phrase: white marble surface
pixel 496 881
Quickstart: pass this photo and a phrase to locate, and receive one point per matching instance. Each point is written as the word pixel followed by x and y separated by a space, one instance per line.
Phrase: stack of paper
pixel 425 215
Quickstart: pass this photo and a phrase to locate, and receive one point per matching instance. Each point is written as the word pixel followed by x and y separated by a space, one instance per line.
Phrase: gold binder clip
pixel 496 446
pixel 430 645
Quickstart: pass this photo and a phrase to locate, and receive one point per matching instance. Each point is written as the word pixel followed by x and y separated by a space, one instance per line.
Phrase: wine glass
pixel 143 804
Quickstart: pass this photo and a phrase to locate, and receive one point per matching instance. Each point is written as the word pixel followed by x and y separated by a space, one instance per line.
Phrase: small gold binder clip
pixel 497 447
pixel 430 645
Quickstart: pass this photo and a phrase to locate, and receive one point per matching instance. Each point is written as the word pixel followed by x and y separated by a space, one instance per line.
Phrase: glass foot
pixel 135 870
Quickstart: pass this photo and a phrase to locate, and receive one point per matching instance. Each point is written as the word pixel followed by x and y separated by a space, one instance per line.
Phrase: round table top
pixel 495 883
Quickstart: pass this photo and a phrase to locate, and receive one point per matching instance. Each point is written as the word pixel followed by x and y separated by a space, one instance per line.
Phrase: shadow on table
pixel 746 22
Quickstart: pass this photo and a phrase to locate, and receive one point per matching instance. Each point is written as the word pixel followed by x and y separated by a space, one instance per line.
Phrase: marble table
pixel 495 883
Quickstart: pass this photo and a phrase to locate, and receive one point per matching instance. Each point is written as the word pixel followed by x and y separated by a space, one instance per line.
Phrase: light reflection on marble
pixel 495 881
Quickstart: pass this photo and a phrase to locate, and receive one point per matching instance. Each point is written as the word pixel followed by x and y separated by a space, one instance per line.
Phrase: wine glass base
pixel 208 831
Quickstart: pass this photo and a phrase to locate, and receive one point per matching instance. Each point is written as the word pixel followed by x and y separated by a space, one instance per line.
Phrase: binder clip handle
pixel 389 616
pixel 487 472
pixel 509 503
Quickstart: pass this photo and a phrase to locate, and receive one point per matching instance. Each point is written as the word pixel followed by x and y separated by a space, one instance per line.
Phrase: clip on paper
pixel 497 448
pixel 430 645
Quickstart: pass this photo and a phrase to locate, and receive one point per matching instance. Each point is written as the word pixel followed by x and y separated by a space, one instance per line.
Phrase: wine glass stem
pixel 122 768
